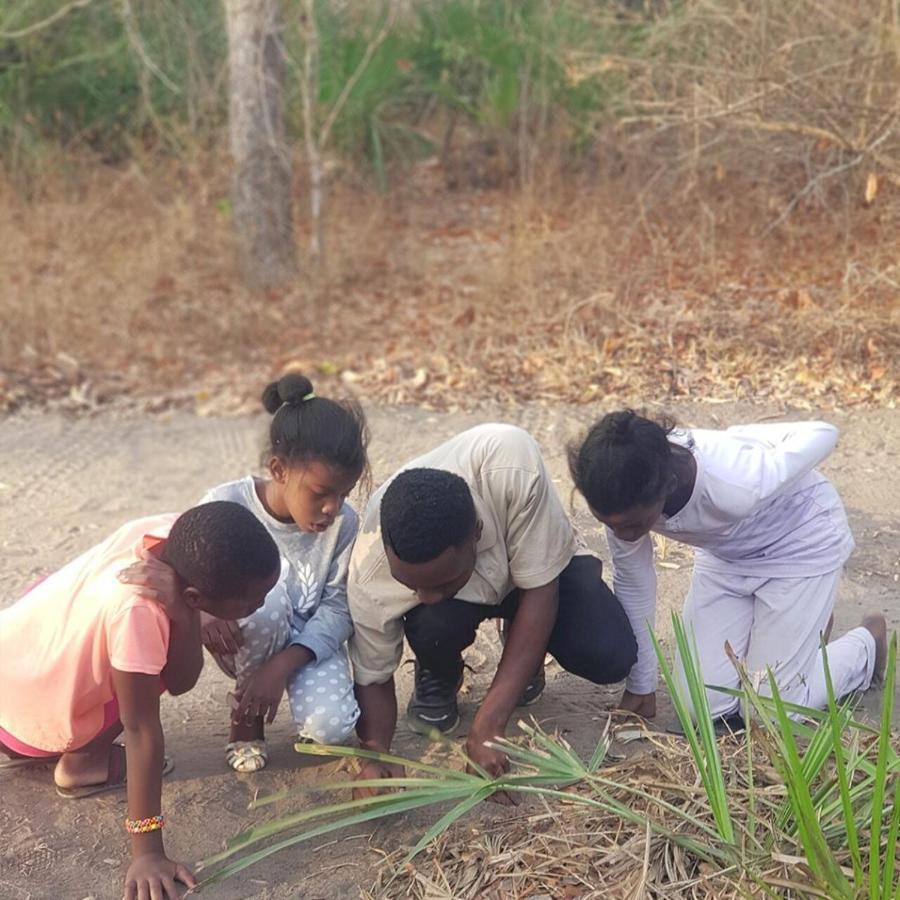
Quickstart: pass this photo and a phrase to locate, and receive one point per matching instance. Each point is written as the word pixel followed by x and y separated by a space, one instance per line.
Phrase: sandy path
pixel 65 483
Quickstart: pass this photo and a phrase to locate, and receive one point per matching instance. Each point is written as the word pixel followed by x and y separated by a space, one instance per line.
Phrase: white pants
pixel 320 694
pixel 776 623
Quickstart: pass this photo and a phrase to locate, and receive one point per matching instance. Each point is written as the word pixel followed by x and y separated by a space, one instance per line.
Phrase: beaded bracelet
pixel 142 826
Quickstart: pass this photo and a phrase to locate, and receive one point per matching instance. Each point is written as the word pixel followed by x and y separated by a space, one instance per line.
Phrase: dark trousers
pixel 592 637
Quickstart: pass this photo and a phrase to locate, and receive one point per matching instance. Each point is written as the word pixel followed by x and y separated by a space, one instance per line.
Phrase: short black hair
pixel 425 511
pixel 624 461
pixel 219 548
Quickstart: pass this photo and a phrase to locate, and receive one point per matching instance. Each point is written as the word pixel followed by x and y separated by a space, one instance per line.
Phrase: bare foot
pixel 876 625
pixel 640 704
pixel 81 768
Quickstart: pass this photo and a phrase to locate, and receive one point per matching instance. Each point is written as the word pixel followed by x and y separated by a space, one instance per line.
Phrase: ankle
pixel 876 625
pixel 79 769
pixel 252 731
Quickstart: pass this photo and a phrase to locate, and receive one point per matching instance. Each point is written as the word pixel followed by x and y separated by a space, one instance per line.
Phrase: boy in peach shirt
pixel 83 658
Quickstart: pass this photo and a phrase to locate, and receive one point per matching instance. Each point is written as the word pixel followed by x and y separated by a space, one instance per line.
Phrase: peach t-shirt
pixel 61 641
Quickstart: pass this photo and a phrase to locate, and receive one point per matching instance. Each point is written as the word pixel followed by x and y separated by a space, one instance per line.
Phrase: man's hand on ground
pixel 494 762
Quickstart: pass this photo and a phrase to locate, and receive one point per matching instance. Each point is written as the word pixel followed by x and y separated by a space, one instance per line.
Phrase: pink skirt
pixel 110 717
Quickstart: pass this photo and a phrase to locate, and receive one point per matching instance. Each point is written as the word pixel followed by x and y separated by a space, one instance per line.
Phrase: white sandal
pixel 246 756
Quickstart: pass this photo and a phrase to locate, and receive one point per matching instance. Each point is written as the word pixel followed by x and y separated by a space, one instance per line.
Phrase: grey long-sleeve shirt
pixel 313 569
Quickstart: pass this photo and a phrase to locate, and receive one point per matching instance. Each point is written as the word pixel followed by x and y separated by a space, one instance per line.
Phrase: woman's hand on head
pixel 153 579
pixel 153 876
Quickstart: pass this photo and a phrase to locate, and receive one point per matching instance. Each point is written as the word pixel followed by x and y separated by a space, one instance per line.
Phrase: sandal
pixel 246 756
pixel 116 780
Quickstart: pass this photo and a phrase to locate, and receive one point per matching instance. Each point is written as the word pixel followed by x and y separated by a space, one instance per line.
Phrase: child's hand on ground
pixel 222 637
pixel 374 769
pixel 154 875
pixel 640 704
pixel 153 579
pixel 262 693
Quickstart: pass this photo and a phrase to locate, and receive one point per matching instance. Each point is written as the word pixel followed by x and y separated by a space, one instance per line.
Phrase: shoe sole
pixel 430 729
pixel 523 703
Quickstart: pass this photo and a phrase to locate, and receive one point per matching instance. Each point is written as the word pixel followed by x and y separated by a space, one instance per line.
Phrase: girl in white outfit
pixel 771 540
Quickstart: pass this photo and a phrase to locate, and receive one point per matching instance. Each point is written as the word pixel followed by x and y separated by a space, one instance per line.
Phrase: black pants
pixel 592 637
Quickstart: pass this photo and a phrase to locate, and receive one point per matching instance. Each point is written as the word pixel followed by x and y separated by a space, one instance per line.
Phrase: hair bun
pixel 621 423
pixel 291 388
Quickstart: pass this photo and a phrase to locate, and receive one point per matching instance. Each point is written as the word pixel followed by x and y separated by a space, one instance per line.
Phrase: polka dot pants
pixel 320 694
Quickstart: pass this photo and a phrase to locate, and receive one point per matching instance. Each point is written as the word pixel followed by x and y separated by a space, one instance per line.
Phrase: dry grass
pixel 126 284
pixel 556 849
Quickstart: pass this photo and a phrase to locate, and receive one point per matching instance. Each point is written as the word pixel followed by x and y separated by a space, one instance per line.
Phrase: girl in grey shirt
pixel 296 642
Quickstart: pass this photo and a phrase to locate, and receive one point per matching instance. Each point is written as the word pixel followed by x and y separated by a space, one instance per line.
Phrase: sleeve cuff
pixel 319 648
pixel 544 576
pixel 642 682
pixel 366 677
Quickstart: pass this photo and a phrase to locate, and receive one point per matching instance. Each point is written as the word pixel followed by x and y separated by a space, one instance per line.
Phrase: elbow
pixel 176 685
pixel 828 435
pixel 141 731
pixel 177 690
pixel 827 440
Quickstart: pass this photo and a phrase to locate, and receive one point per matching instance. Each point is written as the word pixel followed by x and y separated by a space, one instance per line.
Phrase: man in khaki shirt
pixel 470 531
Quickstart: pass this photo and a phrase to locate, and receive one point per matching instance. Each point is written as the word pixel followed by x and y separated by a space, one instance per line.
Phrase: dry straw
pixel 805 804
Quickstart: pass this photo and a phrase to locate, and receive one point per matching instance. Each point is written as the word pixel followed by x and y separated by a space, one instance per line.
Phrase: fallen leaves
pixel 471 299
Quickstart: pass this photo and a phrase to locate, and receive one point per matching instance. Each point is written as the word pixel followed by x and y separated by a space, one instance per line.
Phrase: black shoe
pixel 732 724
pixel 535 687
pixel 433 706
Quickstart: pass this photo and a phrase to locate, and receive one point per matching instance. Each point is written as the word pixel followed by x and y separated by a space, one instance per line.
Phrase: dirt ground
pixel 65 483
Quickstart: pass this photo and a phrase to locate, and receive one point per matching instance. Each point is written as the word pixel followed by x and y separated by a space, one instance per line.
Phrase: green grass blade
pixel 403 804
pixel 708 852
pixel 558 749
pixel 818 853
pixel 444 823
pixel 890 855
pixel 699 729
pixel 384 784
pixel 359 753
pixel 881 769
pixel 838 723
pixel 536 759
pixel 795 709
pixel 269 829
pixel 677 811
pixel 600 751
pixel 712 758
pixel 751 784
pixel 820 748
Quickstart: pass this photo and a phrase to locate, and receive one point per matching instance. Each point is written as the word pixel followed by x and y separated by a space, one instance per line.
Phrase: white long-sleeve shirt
pixel 758 508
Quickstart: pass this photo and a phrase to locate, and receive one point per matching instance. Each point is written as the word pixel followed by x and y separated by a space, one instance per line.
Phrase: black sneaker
pixel 535 687
pixel 433 706
pixel 732 724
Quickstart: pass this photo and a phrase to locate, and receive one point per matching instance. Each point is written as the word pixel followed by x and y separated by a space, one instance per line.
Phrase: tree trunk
pixel 261 186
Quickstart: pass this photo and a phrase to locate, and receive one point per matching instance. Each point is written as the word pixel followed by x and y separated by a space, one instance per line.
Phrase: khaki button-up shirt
pixel 526 540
